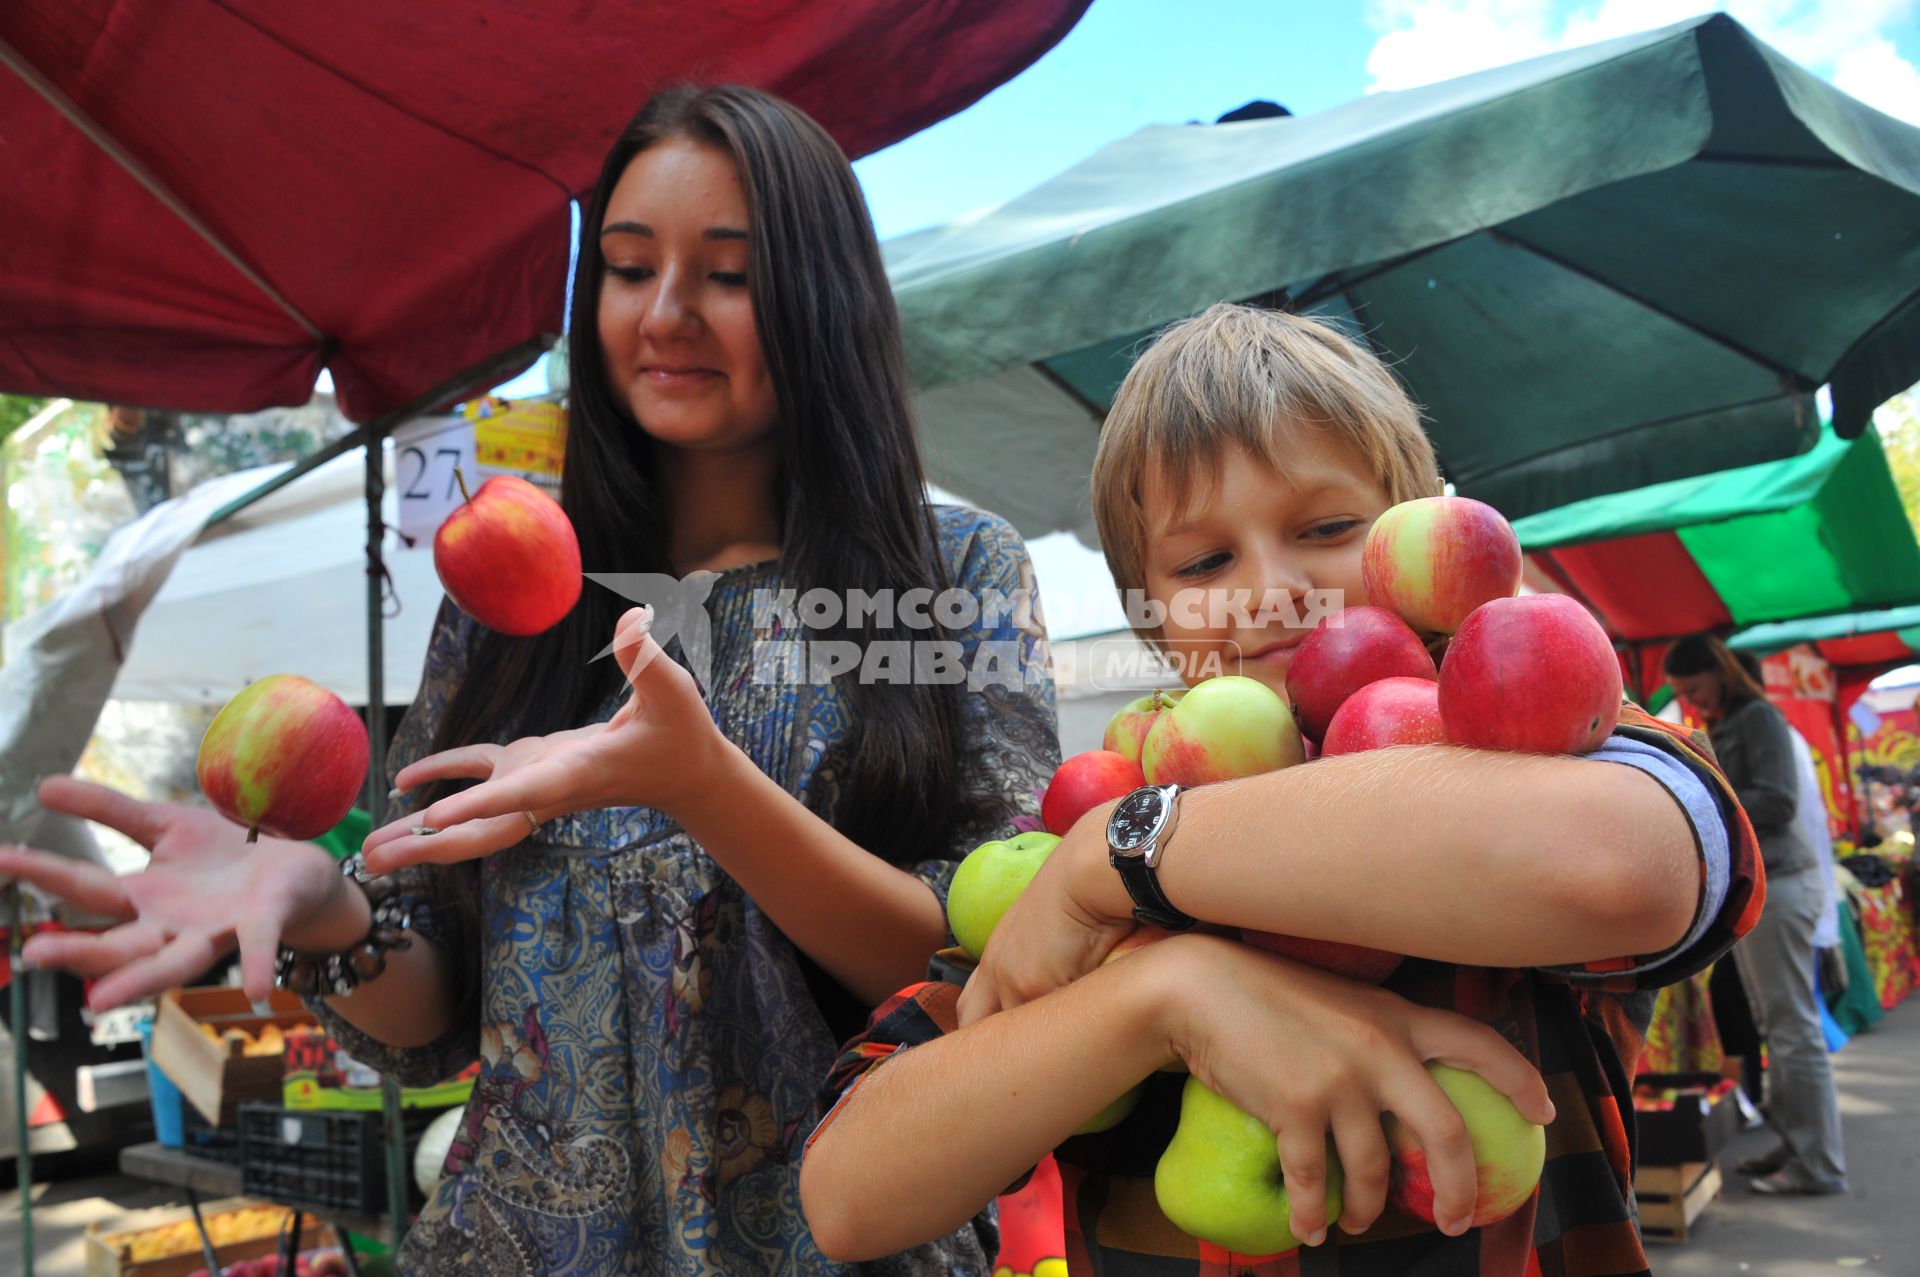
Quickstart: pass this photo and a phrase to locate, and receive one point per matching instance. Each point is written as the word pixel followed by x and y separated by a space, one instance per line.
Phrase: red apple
pixel 1085 781
pixel 508 557
pixel 1535 674
pixel 1354 961
pixel 1128 729
pixel 1139 938
pixel 1225 728
pixel 1434 560
pixel 286 756
pixel 1508 1151
pixel 1346 652
pixel 1393 711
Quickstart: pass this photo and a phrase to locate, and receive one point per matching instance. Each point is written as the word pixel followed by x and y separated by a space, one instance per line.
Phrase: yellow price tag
pixel 523 437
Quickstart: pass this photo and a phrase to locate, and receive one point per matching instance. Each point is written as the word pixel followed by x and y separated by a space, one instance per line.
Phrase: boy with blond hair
pixel 1540 900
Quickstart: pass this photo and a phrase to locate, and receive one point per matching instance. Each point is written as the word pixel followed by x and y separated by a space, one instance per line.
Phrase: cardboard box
pixel 110 1247
pixel 1672 1198
pixel 215 1077
pixel 1694 1130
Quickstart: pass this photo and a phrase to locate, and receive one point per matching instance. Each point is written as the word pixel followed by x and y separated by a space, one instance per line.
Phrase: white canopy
pixel 280 588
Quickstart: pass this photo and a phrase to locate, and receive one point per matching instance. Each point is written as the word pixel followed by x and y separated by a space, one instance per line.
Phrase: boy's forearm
pixel 964 1116
pixel 1460 855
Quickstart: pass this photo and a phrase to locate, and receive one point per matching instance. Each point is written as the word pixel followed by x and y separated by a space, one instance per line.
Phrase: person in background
pixel 1812 817
pixel 1754 745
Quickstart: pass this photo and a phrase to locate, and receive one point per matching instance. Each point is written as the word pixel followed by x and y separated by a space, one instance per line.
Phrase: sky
pixel 1131 63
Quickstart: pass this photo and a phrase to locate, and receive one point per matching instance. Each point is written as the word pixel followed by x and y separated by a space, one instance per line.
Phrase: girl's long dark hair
pixel 850 493
pixel 1708 654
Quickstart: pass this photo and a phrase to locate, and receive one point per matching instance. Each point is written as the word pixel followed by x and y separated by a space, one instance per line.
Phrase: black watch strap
pixel 1150 903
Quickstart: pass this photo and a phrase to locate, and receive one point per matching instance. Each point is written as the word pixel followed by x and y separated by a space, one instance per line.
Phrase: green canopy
pixel 1808 536
pixel 1596 270
pixel 1903 622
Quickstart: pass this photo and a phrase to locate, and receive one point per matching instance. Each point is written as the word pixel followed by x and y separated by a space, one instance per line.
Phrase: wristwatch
pixel 1137 834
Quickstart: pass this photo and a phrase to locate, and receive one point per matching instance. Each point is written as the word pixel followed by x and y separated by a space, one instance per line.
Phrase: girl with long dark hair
pixel 687 871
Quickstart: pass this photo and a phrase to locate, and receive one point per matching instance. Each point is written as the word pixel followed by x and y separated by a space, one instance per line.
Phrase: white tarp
pixel 281 588
pixel 61 660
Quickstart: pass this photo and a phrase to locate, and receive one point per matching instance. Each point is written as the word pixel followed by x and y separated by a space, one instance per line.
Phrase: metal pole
pixel 17 982
pixel 396 1135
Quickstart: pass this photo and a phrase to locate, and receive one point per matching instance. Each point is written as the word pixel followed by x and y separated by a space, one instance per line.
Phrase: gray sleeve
pixel 1708 822
pixel 1761 767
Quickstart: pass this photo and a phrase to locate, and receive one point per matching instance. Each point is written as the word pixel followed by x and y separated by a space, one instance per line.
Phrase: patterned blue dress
pixel 649 1048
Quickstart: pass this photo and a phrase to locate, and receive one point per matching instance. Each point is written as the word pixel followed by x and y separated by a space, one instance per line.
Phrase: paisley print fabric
pixel 649 1049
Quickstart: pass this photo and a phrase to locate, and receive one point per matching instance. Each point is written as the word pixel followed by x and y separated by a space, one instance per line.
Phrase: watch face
pixel 1136 819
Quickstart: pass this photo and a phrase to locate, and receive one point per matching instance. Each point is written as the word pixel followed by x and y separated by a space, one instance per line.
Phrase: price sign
pixel 426 452
pixel 486 438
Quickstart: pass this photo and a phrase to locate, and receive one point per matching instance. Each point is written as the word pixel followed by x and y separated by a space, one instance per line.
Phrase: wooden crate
pixel 1671 1198
pixel 213 1076
pixel 109 1248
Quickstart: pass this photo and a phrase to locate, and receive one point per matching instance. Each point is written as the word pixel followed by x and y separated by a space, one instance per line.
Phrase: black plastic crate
pixel 323 1157
pixel 319 1158
pixel 203 1139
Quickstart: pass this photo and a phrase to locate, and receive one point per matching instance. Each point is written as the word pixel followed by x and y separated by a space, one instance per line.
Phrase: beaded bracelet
pixel 339 974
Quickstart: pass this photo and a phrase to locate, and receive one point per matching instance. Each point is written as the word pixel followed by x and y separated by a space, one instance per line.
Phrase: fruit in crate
pixel 1359 646
pixel 1433 561
pixel 508 557
pixel 1127 730
pixel 989 880
pixel 1225 728
pixel 1220 1180
pixel 1393 711
pixel 1534 674
pixel 1508 1151
pixel 285 756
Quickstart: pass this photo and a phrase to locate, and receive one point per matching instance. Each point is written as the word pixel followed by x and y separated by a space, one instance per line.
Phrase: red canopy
pixel 204 204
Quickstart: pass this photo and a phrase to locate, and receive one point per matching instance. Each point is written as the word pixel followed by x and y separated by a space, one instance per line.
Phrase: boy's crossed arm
pixel 917 1147
pixel 1459 855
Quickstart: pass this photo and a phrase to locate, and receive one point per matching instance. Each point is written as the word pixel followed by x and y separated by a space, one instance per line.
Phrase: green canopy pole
pixel 17 983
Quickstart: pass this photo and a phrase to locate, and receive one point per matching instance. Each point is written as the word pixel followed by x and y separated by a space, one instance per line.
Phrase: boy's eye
pixel 1200 567
pixel 1334 529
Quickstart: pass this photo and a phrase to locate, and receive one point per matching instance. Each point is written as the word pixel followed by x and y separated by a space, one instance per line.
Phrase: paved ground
pixel 1873 1230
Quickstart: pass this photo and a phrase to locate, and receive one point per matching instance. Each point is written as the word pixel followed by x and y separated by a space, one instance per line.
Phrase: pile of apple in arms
pixel 1533 674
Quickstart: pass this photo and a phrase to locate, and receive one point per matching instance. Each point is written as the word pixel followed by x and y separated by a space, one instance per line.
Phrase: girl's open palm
pixel 655 751
pixel 204 890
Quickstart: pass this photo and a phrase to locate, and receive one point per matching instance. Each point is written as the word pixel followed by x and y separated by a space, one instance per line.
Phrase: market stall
pixel 219 206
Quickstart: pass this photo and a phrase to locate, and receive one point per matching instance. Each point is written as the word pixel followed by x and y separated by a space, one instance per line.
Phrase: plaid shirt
pixel 1582 1028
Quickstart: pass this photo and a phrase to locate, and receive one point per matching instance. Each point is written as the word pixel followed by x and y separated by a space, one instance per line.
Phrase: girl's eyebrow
pixel 641 228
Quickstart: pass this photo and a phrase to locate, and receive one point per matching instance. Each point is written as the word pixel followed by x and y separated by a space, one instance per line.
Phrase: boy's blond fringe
pixel 1237 374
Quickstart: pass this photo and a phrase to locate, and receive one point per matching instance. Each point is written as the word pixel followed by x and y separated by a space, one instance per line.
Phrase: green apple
pixel 1225 728
pixel 989 880
pixel 1114 1114
pixel 1220 1179
pixel 1508 1151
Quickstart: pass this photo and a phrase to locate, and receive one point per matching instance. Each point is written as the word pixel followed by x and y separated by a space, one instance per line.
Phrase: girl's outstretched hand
pixel 205 890
pixel 662 749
